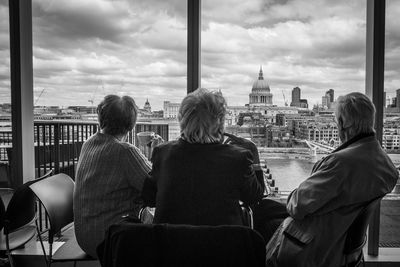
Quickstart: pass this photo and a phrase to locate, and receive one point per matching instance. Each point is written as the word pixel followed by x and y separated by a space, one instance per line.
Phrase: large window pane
pixel 84 50
pixel 390 208
pixel 5 94
pixel 310 53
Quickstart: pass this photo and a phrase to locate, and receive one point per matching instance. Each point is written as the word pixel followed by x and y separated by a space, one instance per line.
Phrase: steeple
pixel 260 75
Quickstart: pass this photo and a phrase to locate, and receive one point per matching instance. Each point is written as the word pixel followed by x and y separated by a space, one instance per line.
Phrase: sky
pixel 86 49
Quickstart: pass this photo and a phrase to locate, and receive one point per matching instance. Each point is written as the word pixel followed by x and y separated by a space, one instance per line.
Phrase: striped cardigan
pixel 109 179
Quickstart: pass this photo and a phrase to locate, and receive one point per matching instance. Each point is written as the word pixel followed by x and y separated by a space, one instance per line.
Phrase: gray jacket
pixel 323 207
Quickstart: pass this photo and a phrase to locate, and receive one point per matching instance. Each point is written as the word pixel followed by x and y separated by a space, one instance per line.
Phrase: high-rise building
pixel 260 93
pixel 296 94
pixel 331 95
pixel 398 98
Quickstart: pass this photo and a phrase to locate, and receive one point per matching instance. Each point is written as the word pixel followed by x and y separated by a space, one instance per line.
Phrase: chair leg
pixel 49 260
pixel 74 263
pixel 10 260
pixel 41 243
pixel 8 251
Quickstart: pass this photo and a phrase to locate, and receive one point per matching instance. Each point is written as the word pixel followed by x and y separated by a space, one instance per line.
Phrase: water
pixel 290 172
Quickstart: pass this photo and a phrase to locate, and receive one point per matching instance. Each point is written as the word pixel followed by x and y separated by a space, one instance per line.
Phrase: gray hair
pixel 117 115
pixel 356 113
pixel 202 116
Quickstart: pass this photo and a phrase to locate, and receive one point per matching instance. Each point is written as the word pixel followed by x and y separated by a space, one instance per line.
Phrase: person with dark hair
pixel 323 207
pixel 109 175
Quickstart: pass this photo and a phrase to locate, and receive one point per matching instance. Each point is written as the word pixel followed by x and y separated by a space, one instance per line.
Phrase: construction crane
pixel 284 99
pixel 91 100
pixel 37 99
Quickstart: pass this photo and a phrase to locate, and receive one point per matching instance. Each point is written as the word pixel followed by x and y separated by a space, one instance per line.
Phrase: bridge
pixel 315 145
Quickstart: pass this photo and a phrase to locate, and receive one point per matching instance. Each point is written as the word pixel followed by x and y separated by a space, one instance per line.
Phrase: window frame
pixel 22 81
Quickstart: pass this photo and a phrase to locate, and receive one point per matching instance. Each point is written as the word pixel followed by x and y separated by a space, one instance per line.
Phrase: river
pixel 290 172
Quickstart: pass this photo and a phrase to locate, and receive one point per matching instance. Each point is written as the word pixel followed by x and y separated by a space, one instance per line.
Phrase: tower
pixel 296 94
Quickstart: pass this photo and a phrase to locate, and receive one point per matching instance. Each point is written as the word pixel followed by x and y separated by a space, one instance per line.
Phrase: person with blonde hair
pixel 341 184
pixel 197 179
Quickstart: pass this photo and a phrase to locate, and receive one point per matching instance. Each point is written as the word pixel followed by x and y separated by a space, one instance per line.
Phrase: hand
pixel 155 141
pixel 244 143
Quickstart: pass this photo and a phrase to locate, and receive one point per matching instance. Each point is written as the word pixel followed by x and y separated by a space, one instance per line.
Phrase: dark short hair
pixel 117 115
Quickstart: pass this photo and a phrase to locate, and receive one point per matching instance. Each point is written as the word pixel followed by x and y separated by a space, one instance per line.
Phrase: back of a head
pixel 202 116
pixel 117 115
pixel 356 114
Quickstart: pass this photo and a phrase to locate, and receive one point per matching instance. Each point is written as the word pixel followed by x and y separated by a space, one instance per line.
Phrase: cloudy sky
pixel 85 49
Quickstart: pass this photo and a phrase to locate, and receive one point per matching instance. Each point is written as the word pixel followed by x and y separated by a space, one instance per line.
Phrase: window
pixel 389 235
pixel 281 65
pixel 84 50
pixel 5 94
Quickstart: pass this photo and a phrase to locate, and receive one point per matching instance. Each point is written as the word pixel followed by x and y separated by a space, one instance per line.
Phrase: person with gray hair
pixel 110 174
pixel 341 184
pixel 355 114
pixel 197 179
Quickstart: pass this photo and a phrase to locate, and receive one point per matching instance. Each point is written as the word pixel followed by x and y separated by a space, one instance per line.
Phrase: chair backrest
pixel 21 209
pixel 355 238
pixel 55 193
pixel 181 245
pixel 2 213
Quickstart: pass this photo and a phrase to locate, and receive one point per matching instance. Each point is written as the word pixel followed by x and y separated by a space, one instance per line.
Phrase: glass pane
pixel 85 50
pixel 5 94
pixel 390 207
pixel 281 65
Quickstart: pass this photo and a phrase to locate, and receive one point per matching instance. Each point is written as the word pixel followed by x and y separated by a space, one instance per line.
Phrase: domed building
pixel 260 93
pixel 147 106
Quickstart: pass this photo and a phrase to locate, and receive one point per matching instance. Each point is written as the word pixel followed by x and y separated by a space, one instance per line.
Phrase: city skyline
pixel 86 49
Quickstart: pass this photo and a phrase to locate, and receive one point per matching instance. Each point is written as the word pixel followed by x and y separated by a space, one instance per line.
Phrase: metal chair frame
pixel 10 224
pixel 59 213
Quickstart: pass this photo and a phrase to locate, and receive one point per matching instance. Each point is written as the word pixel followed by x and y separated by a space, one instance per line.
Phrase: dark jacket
pixel 324 206
pixel 201 184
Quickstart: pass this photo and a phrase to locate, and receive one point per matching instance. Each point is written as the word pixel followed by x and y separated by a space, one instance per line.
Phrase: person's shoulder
pixel 235 149
pixel 235 153
pixel 174 144
pixel 128 146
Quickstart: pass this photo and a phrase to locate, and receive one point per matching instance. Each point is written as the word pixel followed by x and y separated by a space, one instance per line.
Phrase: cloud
pixel 84 50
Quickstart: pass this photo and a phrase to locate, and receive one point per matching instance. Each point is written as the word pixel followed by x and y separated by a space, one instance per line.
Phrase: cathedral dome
pixel 260 84
pixel 260 93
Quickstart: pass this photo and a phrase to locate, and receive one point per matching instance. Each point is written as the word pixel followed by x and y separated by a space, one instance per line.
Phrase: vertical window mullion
pixel 375 56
